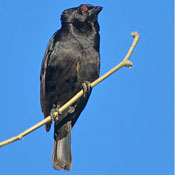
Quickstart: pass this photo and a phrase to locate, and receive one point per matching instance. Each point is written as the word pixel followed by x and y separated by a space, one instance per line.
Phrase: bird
pixel 71 62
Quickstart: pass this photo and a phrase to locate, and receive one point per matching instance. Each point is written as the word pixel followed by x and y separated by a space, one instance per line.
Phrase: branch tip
pixel 134 34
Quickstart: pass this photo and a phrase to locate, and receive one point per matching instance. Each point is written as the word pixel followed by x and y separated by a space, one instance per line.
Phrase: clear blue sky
pixel 127 126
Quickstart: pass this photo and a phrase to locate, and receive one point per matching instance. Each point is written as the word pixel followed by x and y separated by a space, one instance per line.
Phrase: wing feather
pixel 43 78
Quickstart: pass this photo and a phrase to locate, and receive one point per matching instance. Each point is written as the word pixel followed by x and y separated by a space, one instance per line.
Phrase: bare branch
pixel 125 62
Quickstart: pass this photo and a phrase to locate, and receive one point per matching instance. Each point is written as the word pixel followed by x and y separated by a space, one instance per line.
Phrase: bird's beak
pixel 95 11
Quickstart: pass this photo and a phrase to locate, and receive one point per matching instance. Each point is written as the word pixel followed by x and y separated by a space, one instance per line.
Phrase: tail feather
pixel 62 156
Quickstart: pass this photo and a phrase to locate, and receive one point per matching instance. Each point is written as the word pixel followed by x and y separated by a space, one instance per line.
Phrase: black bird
pixel 71 61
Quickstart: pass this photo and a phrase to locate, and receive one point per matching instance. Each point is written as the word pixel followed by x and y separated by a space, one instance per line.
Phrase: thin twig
pixel 125 62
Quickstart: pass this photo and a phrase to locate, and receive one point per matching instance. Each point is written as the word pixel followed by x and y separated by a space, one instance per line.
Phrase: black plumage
pixel 71 58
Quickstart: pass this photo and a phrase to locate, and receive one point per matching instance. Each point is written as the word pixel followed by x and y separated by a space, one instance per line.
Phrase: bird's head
pixel 85 13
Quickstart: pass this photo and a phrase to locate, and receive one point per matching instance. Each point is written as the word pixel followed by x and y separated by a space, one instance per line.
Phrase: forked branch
pixel 125 62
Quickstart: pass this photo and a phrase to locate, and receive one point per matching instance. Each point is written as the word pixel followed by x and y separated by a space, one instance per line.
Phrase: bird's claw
pixel 86 86
pixel 55 109
pixel 71 109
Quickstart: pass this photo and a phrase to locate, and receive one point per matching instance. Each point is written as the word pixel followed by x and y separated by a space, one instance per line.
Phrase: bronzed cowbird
pixel 70 63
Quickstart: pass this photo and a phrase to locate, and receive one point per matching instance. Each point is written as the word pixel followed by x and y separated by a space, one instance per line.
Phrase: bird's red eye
pixel 85 9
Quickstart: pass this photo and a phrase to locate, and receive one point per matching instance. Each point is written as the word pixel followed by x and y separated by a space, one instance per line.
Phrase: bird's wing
pixel 43 77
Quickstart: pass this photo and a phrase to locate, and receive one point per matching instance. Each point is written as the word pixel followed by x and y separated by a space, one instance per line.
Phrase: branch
pixel 125 62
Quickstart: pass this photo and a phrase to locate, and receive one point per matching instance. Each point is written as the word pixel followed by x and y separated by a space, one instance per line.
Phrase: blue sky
pixel 127 126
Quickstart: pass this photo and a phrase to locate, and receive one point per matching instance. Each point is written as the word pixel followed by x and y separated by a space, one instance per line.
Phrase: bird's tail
pixel 61 156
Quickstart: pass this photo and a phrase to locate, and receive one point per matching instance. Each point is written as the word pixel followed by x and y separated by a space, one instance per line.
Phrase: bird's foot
pixel 71 109
pixel 86 86
pixel 55 109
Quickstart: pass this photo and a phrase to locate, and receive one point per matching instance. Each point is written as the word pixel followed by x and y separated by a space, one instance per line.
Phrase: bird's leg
pixel 54 109
pixel 86 86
